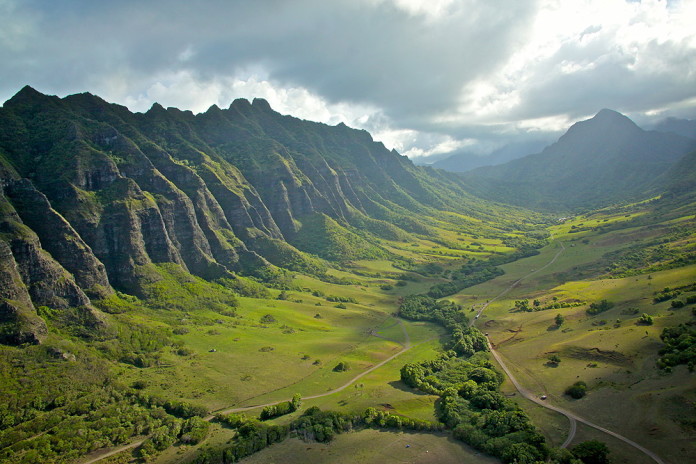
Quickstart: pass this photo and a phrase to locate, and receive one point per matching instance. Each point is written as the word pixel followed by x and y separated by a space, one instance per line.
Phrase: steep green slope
pixel 110 194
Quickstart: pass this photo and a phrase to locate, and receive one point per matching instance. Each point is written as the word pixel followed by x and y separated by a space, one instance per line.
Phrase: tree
pixel 521 453
pixel 296 401
pixel 645 319
pixel 559 320
pixel 592 452
pixel 554 359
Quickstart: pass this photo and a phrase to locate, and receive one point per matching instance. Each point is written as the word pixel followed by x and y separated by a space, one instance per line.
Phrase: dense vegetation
pixel 471 405
pixel 680 345
pixel 464 340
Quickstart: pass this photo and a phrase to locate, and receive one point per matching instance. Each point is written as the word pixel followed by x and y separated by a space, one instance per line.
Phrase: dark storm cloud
pixel 431 72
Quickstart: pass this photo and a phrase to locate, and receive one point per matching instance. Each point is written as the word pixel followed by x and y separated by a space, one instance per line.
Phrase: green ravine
pixel 201 288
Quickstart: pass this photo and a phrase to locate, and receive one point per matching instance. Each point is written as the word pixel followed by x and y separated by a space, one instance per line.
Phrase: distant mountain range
pixel 466 161
pixel 685 127
pixel 603 160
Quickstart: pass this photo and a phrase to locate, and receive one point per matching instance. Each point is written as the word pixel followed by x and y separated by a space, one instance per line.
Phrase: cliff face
pixel 93 194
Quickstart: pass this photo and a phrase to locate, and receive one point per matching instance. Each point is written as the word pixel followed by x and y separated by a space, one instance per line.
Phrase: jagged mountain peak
pixel 156 108
pixel 29 96
pixel 261 104
pixel 213 109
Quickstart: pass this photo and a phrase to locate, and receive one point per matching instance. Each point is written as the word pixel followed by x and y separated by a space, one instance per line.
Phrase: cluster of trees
pixel 377 418
pixel 341 299
pixel 135 344
pixel 680 346
pixel 314 424
pixel 531 240
pixel 670 293
pixel 252 436
pixel 477 271
pixel 523 305
pixel 281 409
pixel 599 307
pixel 190 431
pixel 472 273
pixel 471 405
pixel 464 340
pixel 180 409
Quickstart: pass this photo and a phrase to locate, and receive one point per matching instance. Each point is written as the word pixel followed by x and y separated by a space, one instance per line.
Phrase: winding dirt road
pixel 406 345
pixel 572 418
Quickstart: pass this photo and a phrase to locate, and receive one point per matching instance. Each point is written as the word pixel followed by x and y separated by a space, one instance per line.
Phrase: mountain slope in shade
pixel 685 127
pixel 464 161
pixel 597 162
pixel 680 180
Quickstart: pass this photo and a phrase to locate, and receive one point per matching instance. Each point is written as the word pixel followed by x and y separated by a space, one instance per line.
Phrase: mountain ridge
pixel 220 193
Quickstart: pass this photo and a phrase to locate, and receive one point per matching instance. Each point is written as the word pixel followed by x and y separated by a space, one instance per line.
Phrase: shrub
pixel 577 390
pixel 592 452
pixel 341 367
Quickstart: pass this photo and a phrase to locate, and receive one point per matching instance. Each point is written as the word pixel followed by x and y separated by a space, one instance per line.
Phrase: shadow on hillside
pixel 399 385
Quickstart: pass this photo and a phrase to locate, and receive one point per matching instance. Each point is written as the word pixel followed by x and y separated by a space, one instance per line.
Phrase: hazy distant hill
pixel 466 161
pixel 597 162
pixel 685 127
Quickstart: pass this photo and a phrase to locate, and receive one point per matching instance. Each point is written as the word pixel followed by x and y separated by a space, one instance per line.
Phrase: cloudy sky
pixel 424 76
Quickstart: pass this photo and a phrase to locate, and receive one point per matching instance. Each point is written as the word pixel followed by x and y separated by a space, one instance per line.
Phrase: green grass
pixel 372 446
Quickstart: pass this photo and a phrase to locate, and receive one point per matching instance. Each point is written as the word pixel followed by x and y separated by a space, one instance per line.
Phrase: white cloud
pixel 571 53
pixel 431 9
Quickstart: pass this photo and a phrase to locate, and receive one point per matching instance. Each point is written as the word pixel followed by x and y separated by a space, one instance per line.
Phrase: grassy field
pixel 372 447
